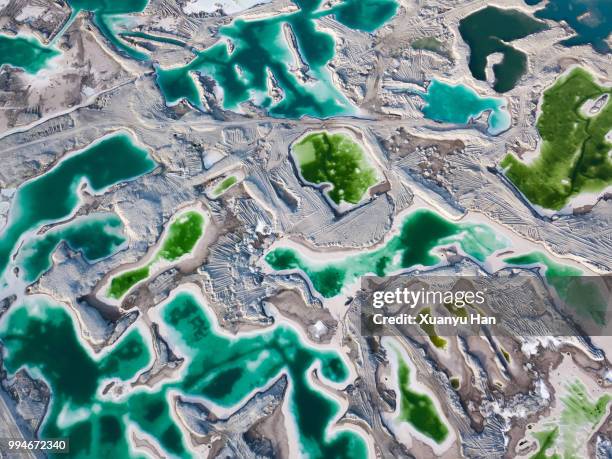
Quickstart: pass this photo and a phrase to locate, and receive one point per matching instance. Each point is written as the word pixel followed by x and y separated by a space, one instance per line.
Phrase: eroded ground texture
pixel 180 276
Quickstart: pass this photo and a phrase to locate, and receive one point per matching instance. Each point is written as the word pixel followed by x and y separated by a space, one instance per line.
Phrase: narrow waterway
pixel 26 53
pixel 95 236
pixel 55 195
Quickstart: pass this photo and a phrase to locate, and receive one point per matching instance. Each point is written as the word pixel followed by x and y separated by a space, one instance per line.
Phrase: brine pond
pixel 262 52
pixel 30 54
pixel 184 232
pixel 219 370
pixel 423 231
pixel 95 236
pixel 25 52
pixel 460 104
pixel 278 63
pixel 336 162
pixel 54 196
pixel 415 406
pixel 591 20
pixel 492 30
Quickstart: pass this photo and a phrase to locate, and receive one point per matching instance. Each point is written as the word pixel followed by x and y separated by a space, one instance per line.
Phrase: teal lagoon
pixel 54 195
pixel 219 370
pixel 491 30
pixel 591 20
pixel 95 236
pixel 261 54
pixel 31 55
pixel 26 53
pixel 460 104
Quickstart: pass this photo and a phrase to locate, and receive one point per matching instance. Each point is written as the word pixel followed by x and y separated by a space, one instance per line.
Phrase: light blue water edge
pixel 460 104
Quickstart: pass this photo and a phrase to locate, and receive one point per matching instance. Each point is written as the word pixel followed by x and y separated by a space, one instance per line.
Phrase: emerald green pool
pixel 96 236
pixel 421 232
pixel 336 159
pixel 54 195
pixel 25 52
pixel 259 46
pixel 491 30
pixel 418 409
pixel 218 368
pixel 182 236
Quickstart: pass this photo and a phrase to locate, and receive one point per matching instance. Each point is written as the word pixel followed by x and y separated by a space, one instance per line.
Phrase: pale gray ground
pixel 454 167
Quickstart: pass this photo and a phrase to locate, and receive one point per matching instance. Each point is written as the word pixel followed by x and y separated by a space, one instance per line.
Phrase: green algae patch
pixel 25 52
pixel 218 367
pixel 54 196
pixel 183 234
pixel 430 330
pixel 121 284
pixel 95 236
pixel 335 159
pixel 579 417
pixel 579 408
pixel 225 185
pixel 546 439
pixel 581 293
pixel 418 409
pixel 580 412
pixel 574 154
pixel 552 269
pixel 421 233
pixel 490 30
pixel 457 311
